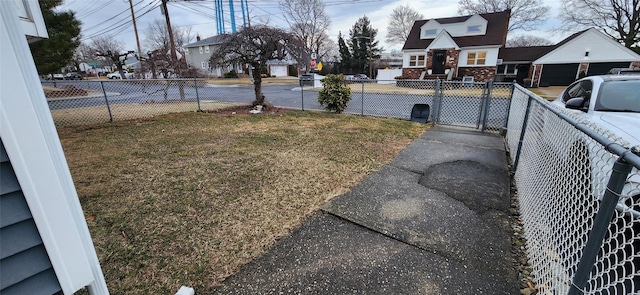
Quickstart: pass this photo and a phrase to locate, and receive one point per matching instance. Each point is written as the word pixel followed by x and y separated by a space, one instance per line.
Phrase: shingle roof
pixel 497 27
pixel 531 53
pixel 206 41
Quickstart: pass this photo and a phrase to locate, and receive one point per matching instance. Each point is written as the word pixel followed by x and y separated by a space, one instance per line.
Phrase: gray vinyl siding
pixel 195 58
pixel 24 263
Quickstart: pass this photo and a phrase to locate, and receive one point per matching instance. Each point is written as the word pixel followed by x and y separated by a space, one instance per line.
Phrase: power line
pixel 126 17
pixel 123 26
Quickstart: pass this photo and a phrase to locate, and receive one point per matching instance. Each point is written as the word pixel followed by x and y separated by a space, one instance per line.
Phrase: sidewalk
pixel 434 221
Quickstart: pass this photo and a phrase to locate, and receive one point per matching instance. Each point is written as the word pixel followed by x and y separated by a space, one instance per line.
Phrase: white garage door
pixel 278 71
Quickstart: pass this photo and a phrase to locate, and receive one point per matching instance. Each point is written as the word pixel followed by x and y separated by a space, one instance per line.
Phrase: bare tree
pixel 308 23
pixel 157 42
pixel 84 53
pixel 253 46
pixel 106 43
pixel 400 23
pixel 527 40
pixel 156 36
pixel 619 19
pixel 525 14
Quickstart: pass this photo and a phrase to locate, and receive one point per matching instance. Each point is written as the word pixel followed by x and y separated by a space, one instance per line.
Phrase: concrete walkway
pixel 434 221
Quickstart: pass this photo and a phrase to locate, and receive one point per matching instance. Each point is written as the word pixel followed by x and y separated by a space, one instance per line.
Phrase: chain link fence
pixel 93 102
pixel 477 105
pixel 580 210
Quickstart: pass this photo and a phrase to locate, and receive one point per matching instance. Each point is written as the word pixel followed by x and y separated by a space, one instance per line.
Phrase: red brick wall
pixel 412 73
pixel 480 74
pixel 536 74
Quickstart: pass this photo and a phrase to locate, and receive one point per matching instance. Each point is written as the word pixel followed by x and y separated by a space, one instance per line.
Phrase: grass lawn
pixel 186 199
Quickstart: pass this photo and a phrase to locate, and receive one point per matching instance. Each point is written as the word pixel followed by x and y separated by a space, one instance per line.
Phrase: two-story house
pixel 198 53
pixel 462 46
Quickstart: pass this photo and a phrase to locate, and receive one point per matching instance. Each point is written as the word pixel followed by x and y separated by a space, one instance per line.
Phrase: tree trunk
pixel 257 85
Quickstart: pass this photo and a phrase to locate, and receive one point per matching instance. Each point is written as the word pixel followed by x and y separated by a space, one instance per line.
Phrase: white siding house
pixel 45 243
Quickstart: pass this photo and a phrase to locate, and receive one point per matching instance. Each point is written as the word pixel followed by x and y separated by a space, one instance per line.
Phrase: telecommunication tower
pixel 220 15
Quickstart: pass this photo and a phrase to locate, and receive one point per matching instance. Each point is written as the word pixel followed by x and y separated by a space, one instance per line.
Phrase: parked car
pixel 73 76
pixel 360 77
pixel 116 75
pixel 55 76
pixel 624 71
pixel 612 103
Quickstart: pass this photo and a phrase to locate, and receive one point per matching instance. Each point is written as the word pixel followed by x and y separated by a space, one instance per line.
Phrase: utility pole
pixel 135 29
pixel 370 54
pixel 174 57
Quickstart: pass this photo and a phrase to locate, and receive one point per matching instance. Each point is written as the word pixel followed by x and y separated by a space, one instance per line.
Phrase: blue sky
pixel 114 17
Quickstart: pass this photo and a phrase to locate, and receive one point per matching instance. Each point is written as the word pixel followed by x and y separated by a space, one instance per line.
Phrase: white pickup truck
pixel 116 75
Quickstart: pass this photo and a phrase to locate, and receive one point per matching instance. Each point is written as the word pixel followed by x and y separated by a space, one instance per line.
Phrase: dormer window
pixel 430 32
pixel 473 29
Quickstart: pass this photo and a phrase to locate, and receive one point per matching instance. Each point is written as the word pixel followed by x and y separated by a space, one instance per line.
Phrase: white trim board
pixel 33 146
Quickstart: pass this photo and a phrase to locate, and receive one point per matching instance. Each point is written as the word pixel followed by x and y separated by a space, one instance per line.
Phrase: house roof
pixel 527 54
pixel 217 39
pixel 497 25
pixel 533 53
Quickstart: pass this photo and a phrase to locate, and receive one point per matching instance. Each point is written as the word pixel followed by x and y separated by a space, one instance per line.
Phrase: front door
pixel 439 59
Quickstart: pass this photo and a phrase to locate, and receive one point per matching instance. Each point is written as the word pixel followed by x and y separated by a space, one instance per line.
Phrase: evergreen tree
pixel 345 55
pixel 364 47
pixel 51 54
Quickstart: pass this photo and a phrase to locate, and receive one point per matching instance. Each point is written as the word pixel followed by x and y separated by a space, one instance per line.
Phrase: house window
pixel 201 50
pixel 473 29
pixel 203 64
pixel 430 32
pixel 206 49
pixel 509 69
pixel 477 58
pixel 417 60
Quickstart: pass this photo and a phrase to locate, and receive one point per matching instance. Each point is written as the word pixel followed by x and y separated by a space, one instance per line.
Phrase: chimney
pixel 198 37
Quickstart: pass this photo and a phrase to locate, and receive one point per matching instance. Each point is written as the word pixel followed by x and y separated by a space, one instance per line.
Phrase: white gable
pixel 475 25
pixel 589 47
pixel 443 41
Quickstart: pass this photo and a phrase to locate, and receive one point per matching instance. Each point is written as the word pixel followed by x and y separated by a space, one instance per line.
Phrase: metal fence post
pixel 522 131
pixel 619 173
pixel 487 104
pixel 195 84
pixel 362 100
pixel 436 104
pixel 506 121
pixel 106 101
pixel 302 92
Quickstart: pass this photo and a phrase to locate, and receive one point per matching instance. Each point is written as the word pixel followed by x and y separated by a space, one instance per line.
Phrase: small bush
pixel 336 94
pixel 231 74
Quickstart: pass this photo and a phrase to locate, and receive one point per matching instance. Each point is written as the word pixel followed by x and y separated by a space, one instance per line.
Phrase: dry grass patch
pixel 120 112
pixel 186 199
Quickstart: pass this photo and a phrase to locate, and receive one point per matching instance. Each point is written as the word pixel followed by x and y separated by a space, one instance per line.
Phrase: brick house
pixel 462 46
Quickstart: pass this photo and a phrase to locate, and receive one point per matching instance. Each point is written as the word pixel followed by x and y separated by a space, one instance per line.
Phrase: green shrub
pixel 231 74
pixel 336 94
